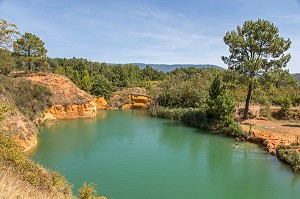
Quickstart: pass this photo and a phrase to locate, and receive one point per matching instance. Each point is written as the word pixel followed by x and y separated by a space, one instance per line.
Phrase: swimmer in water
pixel 236 146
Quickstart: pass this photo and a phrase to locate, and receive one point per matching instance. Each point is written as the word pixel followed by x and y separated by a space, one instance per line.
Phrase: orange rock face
pixel 68 100
pixel 140 102
pixel 137 102
pixel 126 106
pixel 101 103
pixel 71 111
pixel 23 131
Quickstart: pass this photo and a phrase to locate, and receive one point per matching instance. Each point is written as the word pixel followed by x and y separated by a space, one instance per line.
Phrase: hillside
pixel 68 101
pixel 21 104
pixel 297 77
pixel 170 67
pixel 64 92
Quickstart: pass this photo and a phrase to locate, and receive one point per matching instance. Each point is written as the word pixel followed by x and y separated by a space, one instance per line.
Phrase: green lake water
pixel 130 155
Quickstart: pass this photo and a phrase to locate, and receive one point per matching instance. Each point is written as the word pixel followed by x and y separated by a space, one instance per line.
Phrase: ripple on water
pixel 238 149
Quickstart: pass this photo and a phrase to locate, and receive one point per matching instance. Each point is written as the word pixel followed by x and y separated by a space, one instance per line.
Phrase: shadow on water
pixel 173 123
pixel 295 180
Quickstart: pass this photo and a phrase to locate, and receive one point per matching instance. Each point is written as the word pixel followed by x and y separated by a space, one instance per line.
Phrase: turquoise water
pixel 132 156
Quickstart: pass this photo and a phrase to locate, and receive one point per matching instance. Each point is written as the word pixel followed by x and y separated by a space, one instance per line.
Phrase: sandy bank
pixel 272 133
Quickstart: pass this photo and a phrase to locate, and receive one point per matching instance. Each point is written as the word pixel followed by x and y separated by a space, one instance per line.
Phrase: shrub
pixel 285 104
pixel 30 98
pixel 290 155
pixel 11 156
pixel 88 191
pixel 198 117
pixel 6 62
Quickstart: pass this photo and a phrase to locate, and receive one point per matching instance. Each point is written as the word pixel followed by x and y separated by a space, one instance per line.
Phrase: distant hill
pixel 170 67
pixel 297 77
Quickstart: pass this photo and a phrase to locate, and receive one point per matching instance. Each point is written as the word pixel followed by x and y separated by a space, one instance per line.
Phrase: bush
pixel 11 156
pixel 289 155
pixel 198 117
pixel 285 104
pixel 6 62
pixel 88 191
pixel 30 98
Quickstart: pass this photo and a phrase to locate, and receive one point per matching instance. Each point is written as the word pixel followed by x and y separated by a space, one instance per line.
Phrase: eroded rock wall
pixel 62 112
pixel 68 100
pixel 14 123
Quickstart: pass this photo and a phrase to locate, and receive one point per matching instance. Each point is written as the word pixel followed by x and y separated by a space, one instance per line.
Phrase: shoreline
pixel 31 147
pixel 272 133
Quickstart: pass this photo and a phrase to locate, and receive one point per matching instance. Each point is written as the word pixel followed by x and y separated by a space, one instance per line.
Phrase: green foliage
pixel 12 157
pixel 30 98
pixel 6 62
pixel 94 76
pixel 220 103
pixel 256 49
pixel 102 86
pixel 186 87
pixel 3 110
pixel 290 155
pixel 60 70
pixel 151 74
pixel 31 47
pixel 8 32
pixel 198 117
pixel 87 191
pixel 192 116
pixel 86 82
pixel 285 104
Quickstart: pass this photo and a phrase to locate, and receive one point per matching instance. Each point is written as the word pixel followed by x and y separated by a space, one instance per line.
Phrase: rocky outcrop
pixel 68 100
pixel 25 132
pixel 131 98
pixel 101 103
pixel 137 102
pixel 14 123
pixel 71 111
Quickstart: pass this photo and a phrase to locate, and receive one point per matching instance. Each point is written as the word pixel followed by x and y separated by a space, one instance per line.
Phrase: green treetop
pixel 255 49
pixel 31 47
pixel 8 32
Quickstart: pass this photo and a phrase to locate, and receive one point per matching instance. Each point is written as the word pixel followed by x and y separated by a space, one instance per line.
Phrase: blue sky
pixel 148 31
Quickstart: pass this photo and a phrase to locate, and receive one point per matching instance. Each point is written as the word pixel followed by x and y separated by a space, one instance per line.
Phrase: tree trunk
pixel 28 57
pixel 248 101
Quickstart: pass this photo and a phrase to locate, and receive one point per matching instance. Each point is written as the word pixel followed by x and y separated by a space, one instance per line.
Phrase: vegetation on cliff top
pixel 29 98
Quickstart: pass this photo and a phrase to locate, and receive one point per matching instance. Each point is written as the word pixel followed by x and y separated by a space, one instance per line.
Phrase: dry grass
pixel 20 177
pixel 12 187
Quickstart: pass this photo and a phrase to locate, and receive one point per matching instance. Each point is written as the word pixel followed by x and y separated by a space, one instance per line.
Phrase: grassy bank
pixel 290 155
pixel 198 117
pixel 20 176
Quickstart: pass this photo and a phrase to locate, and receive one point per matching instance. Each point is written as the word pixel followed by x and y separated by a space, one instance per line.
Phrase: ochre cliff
pixel 101 103
pixel 68 100
pixel 137 102
pixel 128 98
pixel 14 123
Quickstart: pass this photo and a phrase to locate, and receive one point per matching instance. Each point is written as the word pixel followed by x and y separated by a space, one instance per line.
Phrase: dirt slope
pixel 68 100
